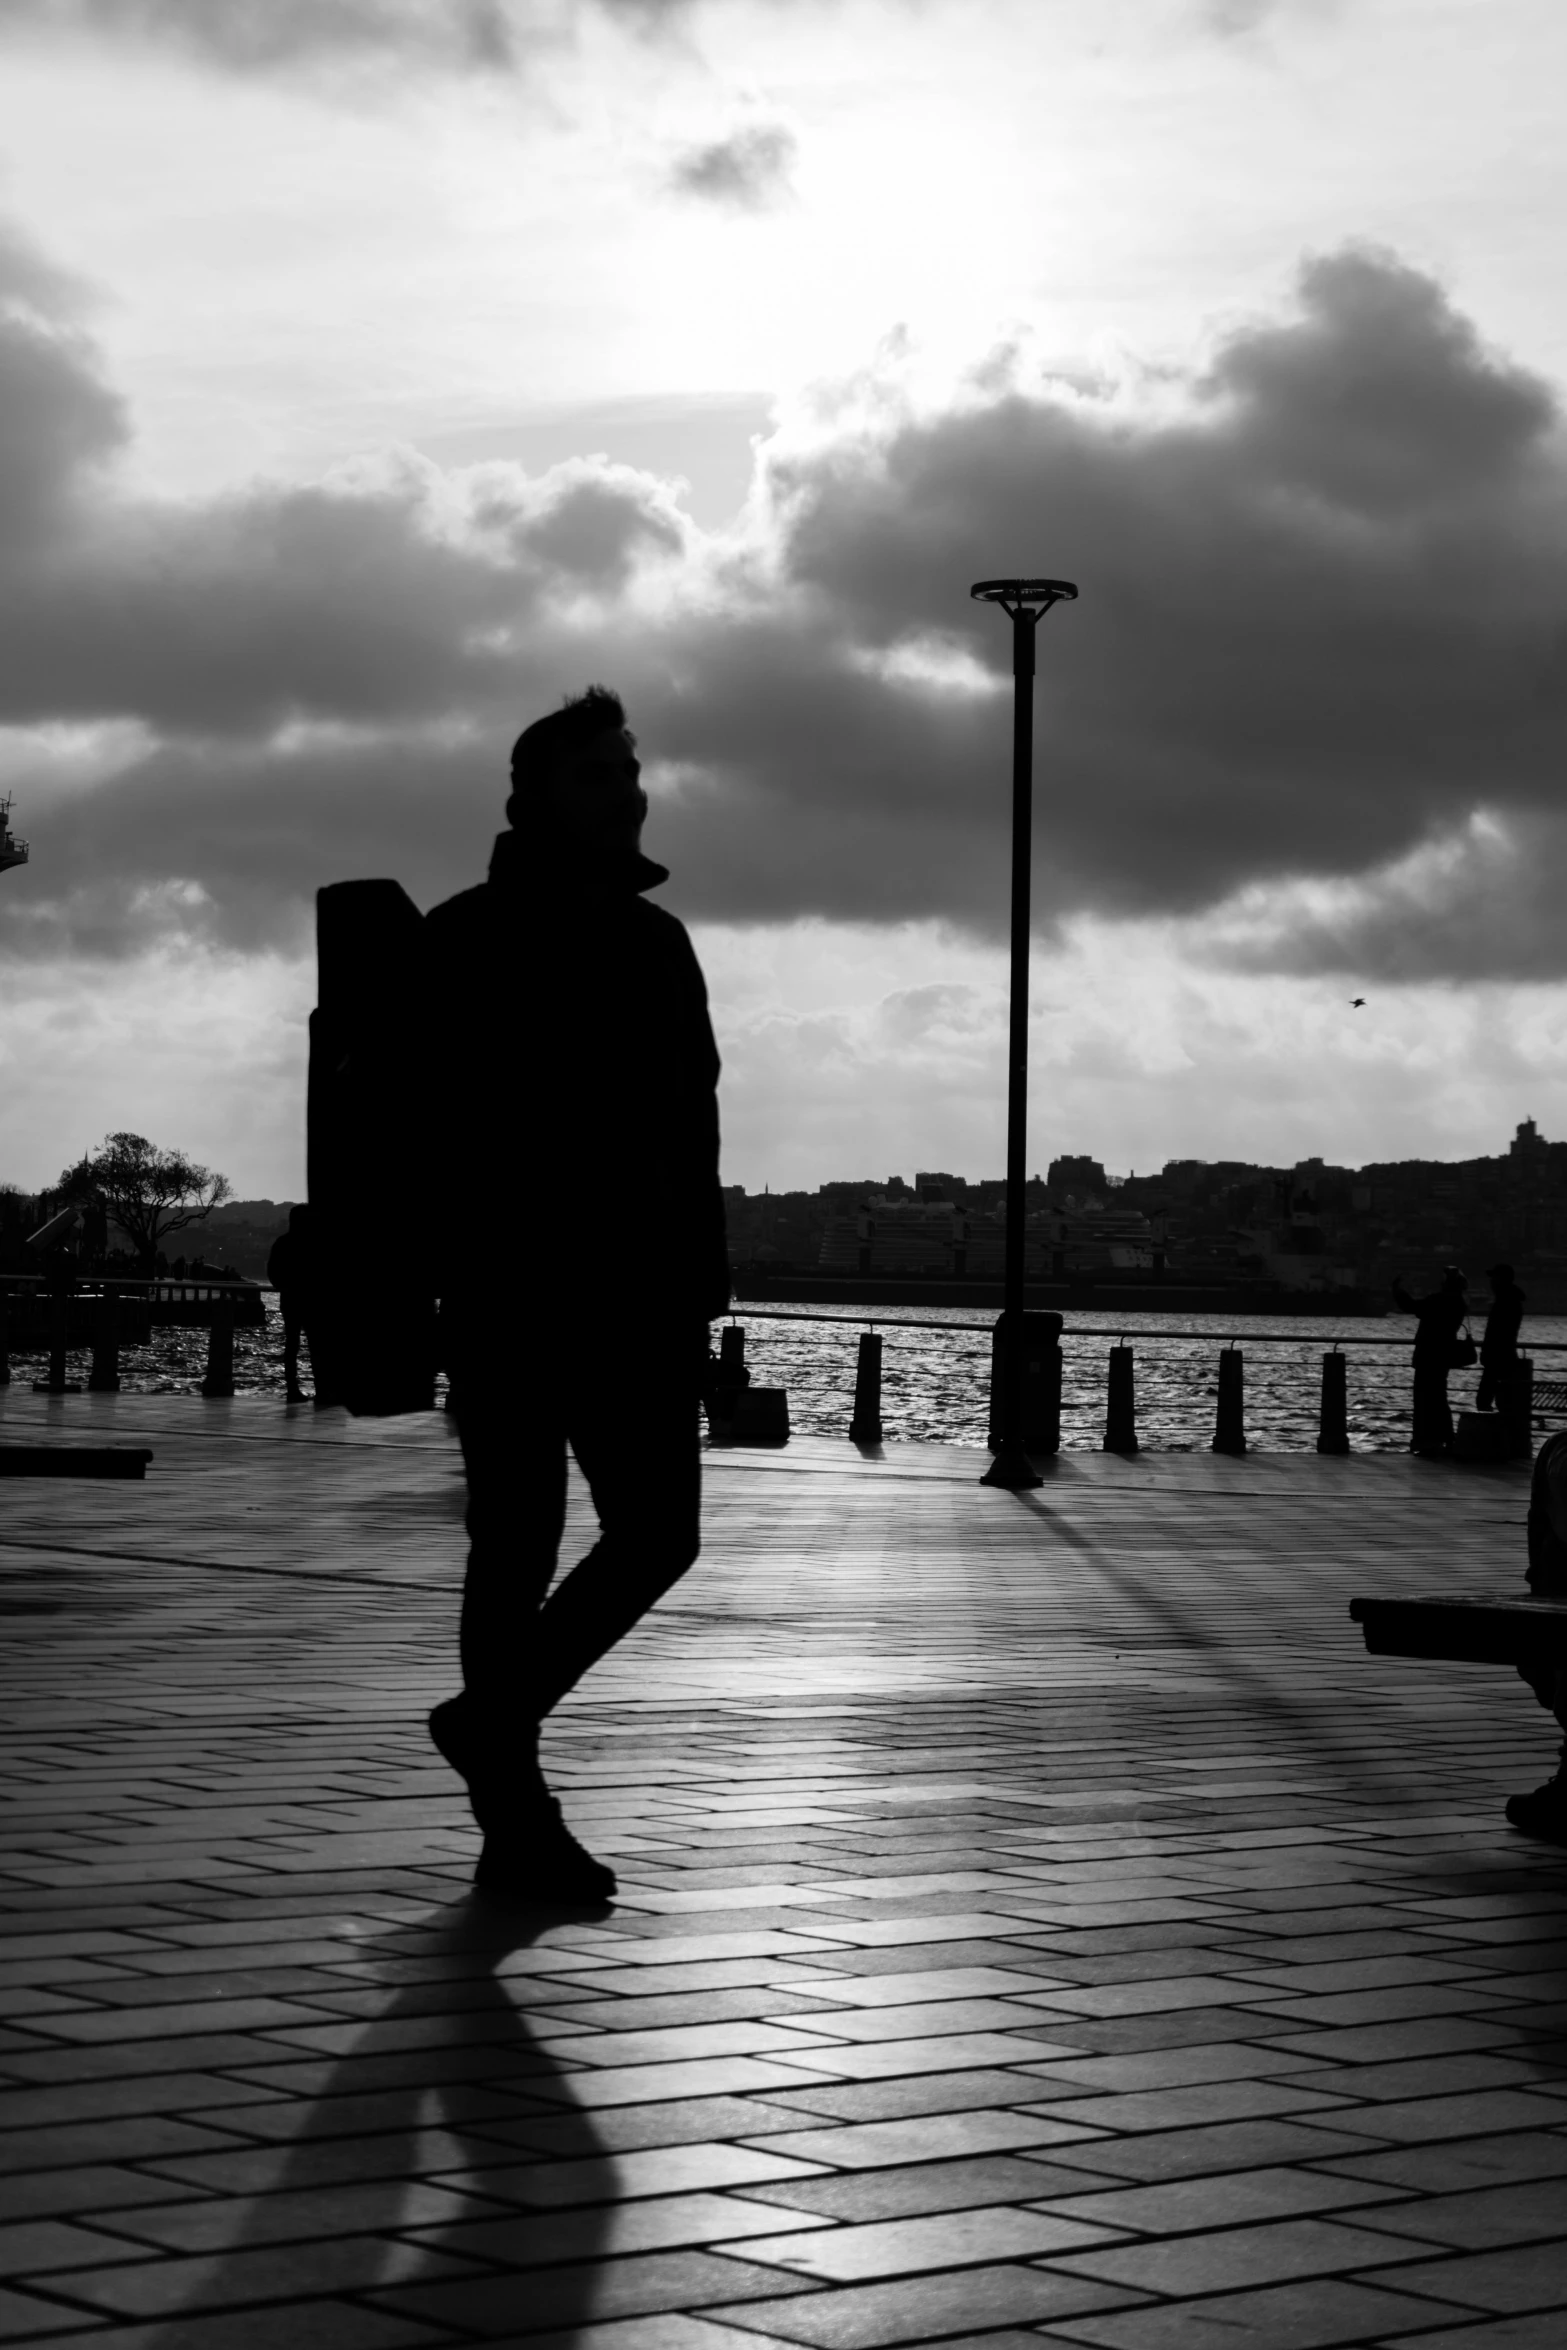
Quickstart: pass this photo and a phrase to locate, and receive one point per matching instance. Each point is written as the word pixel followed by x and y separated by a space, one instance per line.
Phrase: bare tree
pixel 149 1192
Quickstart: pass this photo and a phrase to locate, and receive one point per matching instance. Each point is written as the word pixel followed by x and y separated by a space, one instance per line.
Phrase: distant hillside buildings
pixel 1310 1226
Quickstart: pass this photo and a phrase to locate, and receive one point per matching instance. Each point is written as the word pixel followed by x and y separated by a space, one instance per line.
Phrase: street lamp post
pixel 1025 602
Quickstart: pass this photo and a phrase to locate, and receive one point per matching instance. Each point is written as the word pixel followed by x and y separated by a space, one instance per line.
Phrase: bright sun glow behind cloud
pixel 990 244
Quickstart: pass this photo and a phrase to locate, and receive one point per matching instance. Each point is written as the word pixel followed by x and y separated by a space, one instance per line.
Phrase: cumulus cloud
pixel 747 172
pixel 251 36
pixel 1312 704
pixel 246 34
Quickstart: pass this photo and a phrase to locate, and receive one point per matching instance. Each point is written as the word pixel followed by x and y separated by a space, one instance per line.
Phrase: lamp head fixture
pixel 1017 596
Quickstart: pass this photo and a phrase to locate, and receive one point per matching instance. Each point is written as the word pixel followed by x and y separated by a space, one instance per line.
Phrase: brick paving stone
pixel 937 2240
pixel 28 2316
pixel 1425 2118
pixel 1194 2102
pixel 1320 2315
pixel 1452 2169
pixel 686 2121
pixel 1517 2277
pixel 669 2329
pixel 1522 2212
pixel 311 2325
pixel 247 2274
pixel 31 2247
pixel 917 2092
pixel 915 2309
pixel 1220 2148
pixel 616 2225
pixel 903 2190
pixel 1233 2199
pixel 923 2137
pixel 1039 1918
pixel 1228 2259
pixel 550 2298
pixel 653 2170
pixel 293 2215
pixel 1542 2332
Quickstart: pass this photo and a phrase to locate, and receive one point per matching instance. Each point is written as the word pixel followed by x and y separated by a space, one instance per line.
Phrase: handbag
pixel 1463 1352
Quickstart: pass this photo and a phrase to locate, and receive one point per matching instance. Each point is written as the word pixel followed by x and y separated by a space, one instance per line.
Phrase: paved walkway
pixel 1041 1921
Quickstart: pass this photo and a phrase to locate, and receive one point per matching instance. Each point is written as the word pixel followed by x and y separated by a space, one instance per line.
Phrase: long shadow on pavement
pixel 378 2202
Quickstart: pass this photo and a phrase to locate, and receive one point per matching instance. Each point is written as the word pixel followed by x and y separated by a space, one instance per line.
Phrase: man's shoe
pixel 538 1859
pixel 1544 1813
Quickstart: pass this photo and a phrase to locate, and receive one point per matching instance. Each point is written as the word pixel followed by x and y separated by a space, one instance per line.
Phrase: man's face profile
pixel 597 796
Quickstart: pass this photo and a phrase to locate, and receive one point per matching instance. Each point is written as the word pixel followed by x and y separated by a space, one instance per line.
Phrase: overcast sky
pixel 374 371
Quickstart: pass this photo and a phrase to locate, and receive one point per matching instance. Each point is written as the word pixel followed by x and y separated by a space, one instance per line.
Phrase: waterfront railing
pixel 60 1315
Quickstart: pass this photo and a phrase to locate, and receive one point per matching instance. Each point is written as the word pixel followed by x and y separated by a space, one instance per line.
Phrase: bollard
pixel 59 1341
pixel 1333 1427
pixel 865 1427
pixel 104 1377
pixel 1041 1382
pixel 1229 1427
pixel 1121 1416
pixel 1516 1405
pixel 5 1357
pixel 220 1349
pixel 727 1381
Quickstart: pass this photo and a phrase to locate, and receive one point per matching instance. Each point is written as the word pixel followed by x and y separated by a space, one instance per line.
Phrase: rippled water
pixel 936 1383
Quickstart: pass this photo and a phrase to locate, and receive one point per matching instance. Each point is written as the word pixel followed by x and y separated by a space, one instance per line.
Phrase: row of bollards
pixel 1042 1396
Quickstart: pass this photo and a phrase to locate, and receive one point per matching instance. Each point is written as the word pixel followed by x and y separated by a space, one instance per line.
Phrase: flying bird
pixel 1355 1002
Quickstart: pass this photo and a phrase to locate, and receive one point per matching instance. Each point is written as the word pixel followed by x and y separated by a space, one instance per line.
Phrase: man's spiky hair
pixel 549 742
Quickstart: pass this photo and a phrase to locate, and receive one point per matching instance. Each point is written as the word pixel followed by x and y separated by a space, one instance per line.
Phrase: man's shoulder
pixel 657 922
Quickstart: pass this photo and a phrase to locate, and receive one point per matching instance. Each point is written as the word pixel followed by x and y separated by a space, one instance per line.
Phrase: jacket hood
pixel 516 860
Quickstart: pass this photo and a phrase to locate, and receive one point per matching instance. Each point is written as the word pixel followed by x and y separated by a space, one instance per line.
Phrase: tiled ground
pixel 1041 1921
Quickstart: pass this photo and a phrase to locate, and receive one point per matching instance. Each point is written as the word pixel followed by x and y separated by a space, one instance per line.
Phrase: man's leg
pixel 635 1431
pixel 514 1453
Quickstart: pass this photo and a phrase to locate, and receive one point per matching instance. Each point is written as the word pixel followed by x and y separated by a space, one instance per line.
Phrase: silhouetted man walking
pixel 578 1091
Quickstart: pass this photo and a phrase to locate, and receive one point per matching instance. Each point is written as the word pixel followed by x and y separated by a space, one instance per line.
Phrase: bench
pixel 1468 1627
pixel 73 1460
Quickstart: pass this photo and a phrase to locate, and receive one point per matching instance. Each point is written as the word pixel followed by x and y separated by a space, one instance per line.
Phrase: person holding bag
pixel 1439 1348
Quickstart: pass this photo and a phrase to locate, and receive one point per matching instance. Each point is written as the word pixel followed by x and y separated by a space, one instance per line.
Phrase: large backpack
pixel 371 1318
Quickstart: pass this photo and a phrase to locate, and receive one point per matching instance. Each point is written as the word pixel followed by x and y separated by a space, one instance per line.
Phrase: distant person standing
pixel 290 1271
pixel 573 1035
pixel 1440 1318
pixel 1499 1363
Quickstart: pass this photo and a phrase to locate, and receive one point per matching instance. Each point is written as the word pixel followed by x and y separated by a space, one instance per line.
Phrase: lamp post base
pixel 1012 1470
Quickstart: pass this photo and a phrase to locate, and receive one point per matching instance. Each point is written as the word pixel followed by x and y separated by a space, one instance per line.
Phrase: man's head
pixel 576 774
pixel 1454 1279
pixel 1500 1274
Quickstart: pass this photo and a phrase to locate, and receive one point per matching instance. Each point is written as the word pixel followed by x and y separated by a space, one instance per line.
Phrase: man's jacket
pixel 575 1100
